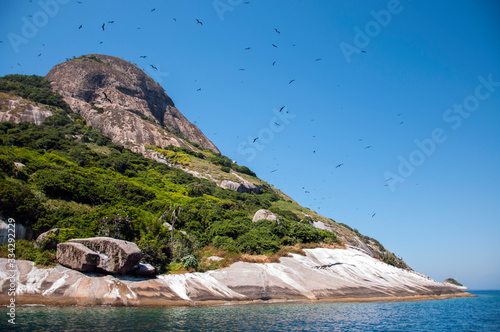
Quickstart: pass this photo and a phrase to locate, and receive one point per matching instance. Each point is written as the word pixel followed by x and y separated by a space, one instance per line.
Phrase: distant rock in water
pixel 121 101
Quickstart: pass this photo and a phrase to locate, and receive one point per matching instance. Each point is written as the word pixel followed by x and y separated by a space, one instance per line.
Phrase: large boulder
pixel 263 214
pixel 116 256
pixel 77 257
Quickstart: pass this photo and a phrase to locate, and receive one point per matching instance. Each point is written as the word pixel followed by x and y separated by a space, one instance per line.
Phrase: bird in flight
pixel 274 62
pixel 291 81
pixel 338 165
pixel 153 9
pixel 275 46
pixel 277 124
pixel 273 171
pixel 81 26
pixel 241 69
pixel 277 31
pixel 39 54
pixel 103 26
pixel 318 59
pixel 111 22
pixel 199 89
pixel 281 109
pixel 107 98
pixel 198 21
pixel 175 20
pixel 373 215
pixel 247 48
pixel 79 2
pixel 256 138
pixel 363 51
pixel 143 56
pixel 154 67
pixel 369 146
pixel 401 123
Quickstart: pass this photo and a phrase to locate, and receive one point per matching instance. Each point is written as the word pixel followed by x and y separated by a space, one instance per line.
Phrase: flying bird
pixel 338 165
pixel 153 9
pixel 363 51
pixel 241 69
pixel 103 26
pixel 277 31
pixel 401 123
pixel 154 67
pixel 275 46
pixel 318 59
pixel 247 48
pixel 79 2
pixel 277 124
pixel 175 20
pixel 111 22
pixel 198 21
pixel 100 43
pixel 273 171
pixel 39 54
pixel 281 109
pixel 291 81
pixel 81 26
pixel 256 138
pixel 143 56
pixel 106 96
pixel 199 89
pixel 373 215
pixel 369 146
pixel 274 62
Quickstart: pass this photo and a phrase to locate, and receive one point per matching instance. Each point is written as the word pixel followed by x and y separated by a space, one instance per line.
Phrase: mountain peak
pixel 117 98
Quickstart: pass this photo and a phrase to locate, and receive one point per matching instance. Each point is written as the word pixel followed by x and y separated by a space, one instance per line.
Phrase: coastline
pixel 27 301
pixel 323 275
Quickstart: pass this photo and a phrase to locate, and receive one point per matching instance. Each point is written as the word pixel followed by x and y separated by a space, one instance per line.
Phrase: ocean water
pixel 481 313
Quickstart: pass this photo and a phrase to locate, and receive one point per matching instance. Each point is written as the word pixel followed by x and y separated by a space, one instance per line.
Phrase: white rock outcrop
pixel 330 274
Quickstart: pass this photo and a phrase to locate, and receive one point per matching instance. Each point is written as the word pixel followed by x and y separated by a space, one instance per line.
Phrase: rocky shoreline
pixel 323 275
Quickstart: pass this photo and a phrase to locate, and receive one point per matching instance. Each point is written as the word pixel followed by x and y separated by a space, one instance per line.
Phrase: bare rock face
pixel 20 110
pixel 116 256
pixel 263 214
pixel 76 256
pixel 121 101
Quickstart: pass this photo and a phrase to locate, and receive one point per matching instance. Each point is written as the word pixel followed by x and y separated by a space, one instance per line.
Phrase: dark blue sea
pixel 481 313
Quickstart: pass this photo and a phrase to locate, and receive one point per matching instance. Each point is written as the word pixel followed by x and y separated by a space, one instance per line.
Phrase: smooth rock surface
pixel 263 214
pixel 323 274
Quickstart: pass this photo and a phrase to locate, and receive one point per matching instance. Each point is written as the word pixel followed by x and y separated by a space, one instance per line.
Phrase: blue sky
pixel 406 96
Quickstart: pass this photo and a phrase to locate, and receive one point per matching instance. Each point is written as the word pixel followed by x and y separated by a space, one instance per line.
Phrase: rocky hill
pixel 122 102
pixel 73 157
